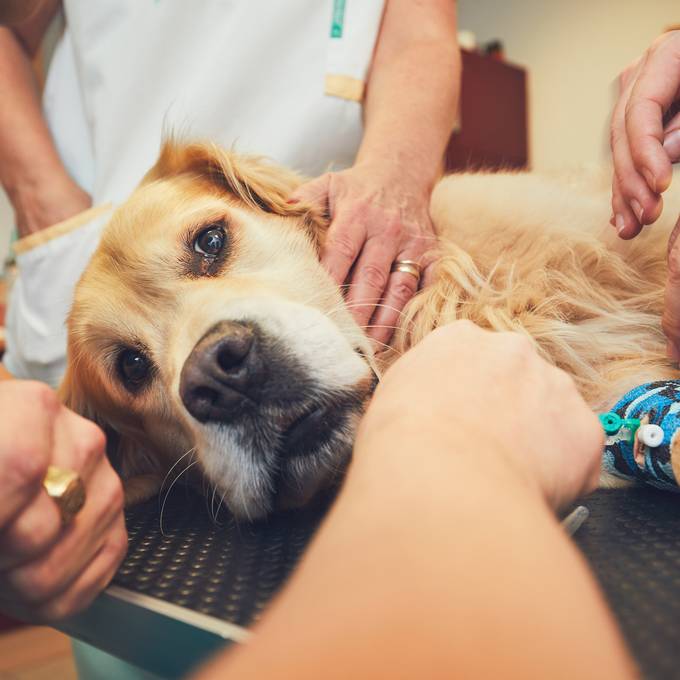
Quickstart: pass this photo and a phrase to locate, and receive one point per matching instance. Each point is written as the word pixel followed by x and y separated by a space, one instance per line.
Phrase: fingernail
pixel 637 209
pixel 672 352
pixel 619 223
pixel 651 180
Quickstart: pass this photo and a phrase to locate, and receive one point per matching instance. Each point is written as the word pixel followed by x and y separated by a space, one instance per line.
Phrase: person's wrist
pixel 416 173
pixel 421 437
pixel 21 177
pixel 415 471
pixel 40 206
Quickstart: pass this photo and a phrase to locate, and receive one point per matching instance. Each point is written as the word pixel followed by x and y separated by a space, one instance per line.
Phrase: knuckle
pixel 61 608
pixel 460 329
pixel 94 439
pixel 374 276
pixel 109 501
pixel 394 230
pixel 404 291
pixel 90 446
pixel 118 545
pixel 519 344
pixel 34 539
pixel 343 246
pixel 465 326
pixel 29 466
pixel 43 396
pixel 36 583
pixel 53 612
pixel 116 496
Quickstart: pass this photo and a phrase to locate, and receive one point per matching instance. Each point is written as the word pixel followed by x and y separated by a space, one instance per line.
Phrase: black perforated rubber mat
pixel 632 540
pixel 222 568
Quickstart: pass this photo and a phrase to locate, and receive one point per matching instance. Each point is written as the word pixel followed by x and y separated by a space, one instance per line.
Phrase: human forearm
pixel 412 91
pixel 426 578
pixel 24 136
pixel 31 171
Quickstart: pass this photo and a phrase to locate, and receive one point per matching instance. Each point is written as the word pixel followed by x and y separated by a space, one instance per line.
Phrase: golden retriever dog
pixel 205 333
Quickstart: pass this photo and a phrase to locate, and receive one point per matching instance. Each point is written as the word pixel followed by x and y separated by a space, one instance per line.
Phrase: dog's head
pixel 205 323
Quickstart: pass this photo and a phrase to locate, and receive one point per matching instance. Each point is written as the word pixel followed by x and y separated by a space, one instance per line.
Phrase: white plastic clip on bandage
pixel 650 435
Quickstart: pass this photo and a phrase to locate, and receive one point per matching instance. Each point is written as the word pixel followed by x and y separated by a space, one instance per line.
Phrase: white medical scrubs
pixel 280 78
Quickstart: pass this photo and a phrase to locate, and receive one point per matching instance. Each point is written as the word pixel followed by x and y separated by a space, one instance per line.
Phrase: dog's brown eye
pixel 134 367
pixel 210 241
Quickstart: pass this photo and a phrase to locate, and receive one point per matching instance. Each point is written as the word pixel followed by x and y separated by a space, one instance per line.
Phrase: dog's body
pixel 205 327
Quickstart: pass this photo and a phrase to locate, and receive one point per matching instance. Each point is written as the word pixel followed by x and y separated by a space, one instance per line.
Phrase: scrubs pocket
pixel 49 263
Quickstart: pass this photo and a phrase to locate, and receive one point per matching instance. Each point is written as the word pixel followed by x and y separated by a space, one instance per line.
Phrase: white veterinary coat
pixel 261 75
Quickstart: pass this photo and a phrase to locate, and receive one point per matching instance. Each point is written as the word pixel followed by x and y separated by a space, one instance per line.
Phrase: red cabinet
pixel 492 124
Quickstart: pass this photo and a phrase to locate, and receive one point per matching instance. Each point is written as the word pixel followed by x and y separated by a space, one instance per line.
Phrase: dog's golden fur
pixel 537 255
pixel 518 252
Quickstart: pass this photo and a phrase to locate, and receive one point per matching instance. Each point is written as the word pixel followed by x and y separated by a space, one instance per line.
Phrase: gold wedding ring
pixel 407 267
pixel 66 489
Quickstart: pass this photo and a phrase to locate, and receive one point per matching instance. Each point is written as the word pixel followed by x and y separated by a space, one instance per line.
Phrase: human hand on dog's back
pixel 645 135
pixel 379 207
pixel 48 571
pixel 492 398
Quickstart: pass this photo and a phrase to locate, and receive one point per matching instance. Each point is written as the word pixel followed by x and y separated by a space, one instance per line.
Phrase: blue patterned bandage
pixel 626 454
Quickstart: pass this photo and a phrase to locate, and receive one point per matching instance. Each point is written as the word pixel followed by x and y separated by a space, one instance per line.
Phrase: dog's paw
pixel 609 481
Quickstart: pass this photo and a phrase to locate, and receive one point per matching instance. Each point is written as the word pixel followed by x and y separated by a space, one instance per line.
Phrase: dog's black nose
pixel 220 372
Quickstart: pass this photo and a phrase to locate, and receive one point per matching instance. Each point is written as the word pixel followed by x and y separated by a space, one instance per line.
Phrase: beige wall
pixel 573 52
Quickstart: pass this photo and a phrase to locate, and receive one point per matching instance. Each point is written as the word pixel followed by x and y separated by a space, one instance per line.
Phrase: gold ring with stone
pixel 407 267
pixel 66 489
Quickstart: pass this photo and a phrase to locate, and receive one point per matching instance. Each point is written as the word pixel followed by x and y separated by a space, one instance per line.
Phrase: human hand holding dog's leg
pixel 502 394
pixel 47 570
pixel 645 135
pixel 441 557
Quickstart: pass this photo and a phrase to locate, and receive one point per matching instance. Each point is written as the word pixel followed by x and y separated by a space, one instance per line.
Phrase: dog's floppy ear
pixel 137 468
pixel 252 180
pixel 73 398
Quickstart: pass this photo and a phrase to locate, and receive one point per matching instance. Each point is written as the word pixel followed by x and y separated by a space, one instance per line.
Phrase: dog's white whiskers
pixel 319 295
pixel 212 503
pixel 352 305
pixel 175 464
pixel 386 346
pixel 378 325
pixel 174 481
pixel 219 506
